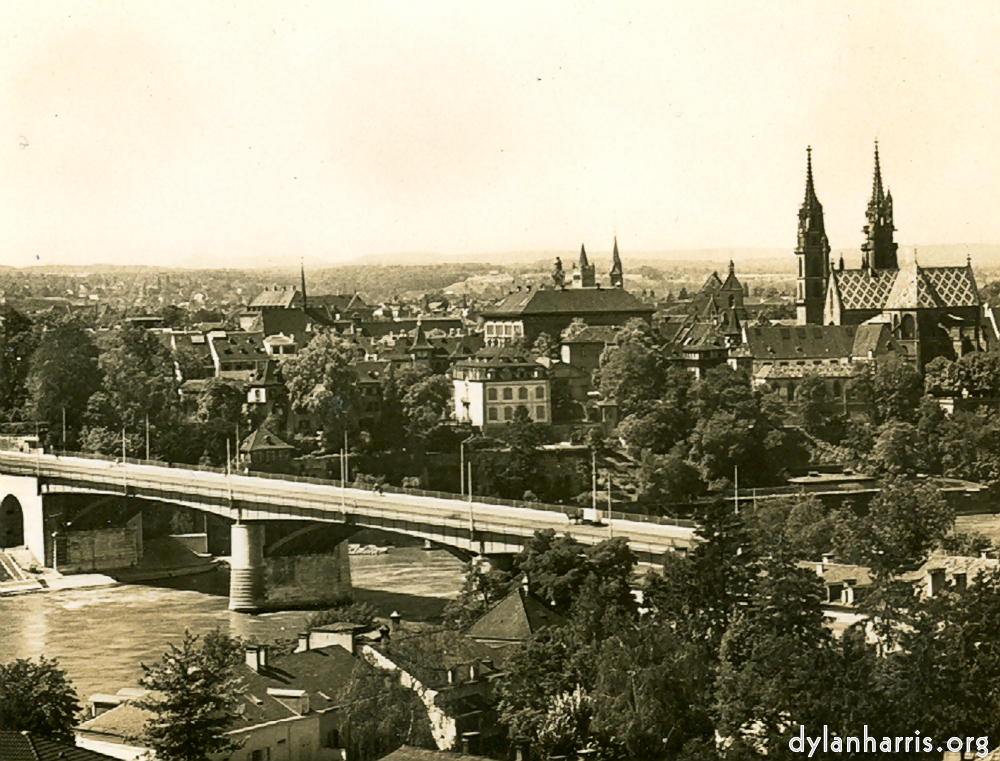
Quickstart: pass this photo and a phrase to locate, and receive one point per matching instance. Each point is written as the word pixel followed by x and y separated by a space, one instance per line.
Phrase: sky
pixel 204 133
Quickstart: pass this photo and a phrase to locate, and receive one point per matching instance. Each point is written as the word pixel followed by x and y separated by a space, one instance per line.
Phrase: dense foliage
pixel 37 697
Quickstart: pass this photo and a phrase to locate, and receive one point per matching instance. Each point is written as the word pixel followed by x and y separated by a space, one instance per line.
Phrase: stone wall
pixel 101 549
pixel 308 579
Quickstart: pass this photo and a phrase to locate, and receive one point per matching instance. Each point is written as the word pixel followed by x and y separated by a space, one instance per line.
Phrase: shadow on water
pixel 410 606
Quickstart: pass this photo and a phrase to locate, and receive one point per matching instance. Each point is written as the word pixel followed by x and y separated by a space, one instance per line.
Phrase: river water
pixel 100 636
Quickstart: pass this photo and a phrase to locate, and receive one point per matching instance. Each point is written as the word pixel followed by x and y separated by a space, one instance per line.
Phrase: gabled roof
pixel 863 289
pixel 766 342
pixel 595 334
pixel 263 440
pixel 514 619
pixel 568 301
pixel 429 654
pixel 320 673
pixel 26 746
pixel 282 298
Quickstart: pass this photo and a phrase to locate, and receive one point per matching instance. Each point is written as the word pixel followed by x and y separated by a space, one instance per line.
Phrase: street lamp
pixel 462 466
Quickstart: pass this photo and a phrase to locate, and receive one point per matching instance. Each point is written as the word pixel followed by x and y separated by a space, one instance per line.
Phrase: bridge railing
pixel 570 510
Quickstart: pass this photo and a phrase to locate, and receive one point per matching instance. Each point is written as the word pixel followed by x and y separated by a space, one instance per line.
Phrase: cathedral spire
pixel 302 272
pixel 617 275
pixel 813 252
pixel 879 249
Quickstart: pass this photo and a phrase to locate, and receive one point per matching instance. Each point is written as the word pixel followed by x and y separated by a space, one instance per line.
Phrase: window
pixel 539 392
pixel 522 393
pixel 540 412
pixel 491 394
pixel 261 754
pixel 508 394
pixel 492 414
pixel 508 413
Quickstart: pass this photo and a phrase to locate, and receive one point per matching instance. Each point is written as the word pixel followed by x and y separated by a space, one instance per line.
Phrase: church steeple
pixel 302 271
pixel 879 249
pixel 588 271
pixel 617 276
pixel 813 252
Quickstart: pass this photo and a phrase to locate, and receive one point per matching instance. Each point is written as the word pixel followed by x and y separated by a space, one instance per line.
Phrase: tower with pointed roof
pixel 813 252
pixel 879 249
pixel 586 273
pixel 617 275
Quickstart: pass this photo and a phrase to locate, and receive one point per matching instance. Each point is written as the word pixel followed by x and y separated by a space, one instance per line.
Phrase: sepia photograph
pixel 581 380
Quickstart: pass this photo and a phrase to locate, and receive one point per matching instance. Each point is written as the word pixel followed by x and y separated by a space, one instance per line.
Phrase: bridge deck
pixel 250 498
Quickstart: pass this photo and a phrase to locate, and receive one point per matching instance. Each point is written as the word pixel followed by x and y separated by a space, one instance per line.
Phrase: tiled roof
pixel 262 440
pixel 912 287
pixel 863 289
pixel 240 346
pixel 321 673
pixel 784 372
pixel 595 334
pixel 514 619
pixel 767 342
pixel 428 654
pixel 953 286
pixel 283 298
pixel 574 301
pixel 24 746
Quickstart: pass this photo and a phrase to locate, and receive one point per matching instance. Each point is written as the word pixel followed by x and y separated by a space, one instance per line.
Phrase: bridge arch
pixel 11 522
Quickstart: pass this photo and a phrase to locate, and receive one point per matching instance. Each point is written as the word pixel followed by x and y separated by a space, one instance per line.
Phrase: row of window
pixel 508 393
pixel 504 328
pixel 493 413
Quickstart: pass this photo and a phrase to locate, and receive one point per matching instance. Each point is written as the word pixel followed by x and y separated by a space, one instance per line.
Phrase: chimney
pixel 253 657
pixel 935 581
pixel 847 594
pixel 520 754
pixel 395 620
pixel 262 656
pixel 451 676
pixel 465 745
pixel 524 583
pixel 473 671
pixel 820 569
pixel 303 642
pixel 827 559
pixel 959 580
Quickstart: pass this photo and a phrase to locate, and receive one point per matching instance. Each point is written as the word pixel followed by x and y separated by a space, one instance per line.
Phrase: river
pixel 100 636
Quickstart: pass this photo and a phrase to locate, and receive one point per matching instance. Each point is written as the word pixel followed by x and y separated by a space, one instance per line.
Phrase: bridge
pixel 249 502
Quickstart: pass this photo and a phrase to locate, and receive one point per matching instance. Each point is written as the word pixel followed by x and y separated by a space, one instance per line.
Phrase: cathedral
pixel 931 311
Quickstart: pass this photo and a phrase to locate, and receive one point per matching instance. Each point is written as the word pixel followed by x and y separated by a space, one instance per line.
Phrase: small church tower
pixel 879 249
pixel 813 252
pixel 617 276
pixel 586 274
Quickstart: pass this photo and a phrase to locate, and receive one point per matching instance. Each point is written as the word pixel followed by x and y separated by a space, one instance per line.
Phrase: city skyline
pixel 213 136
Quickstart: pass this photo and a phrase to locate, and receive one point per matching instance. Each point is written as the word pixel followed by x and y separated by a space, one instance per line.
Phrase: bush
pixel 360 613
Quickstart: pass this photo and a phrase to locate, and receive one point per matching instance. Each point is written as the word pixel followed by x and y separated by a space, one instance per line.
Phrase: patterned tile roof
pixel 954 286
pixel 863 289
pixel 913 287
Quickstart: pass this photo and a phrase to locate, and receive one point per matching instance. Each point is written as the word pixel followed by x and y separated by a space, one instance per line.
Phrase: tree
pixel 544 346
pixel 37 698
pixel 17 342
pixel 222 401
pixel 571 331
pixel 381 715
pixel 359 613
pixel 322 383
pixel 427 403
pixel 195 707
pixel 64 373
pixel 632 369
pixel 905 521
pixel 483 586
pixel 664 479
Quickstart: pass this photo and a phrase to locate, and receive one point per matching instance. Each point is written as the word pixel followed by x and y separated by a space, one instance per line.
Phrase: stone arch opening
pixel 11 522
pixel 907 328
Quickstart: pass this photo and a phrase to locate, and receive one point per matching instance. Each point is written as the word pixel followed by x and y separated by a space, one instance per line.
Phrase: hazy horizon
pixel 205 135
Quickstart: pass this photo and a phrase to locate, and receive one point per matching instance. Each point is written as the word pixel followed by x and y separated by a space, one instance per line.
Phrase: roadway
pixel 246 497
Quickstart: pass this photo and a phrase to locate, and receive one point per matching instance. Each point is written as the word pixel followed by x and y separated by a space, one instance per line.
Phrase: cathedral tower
pixel 813 252
pixel 879 249
pixel 617 274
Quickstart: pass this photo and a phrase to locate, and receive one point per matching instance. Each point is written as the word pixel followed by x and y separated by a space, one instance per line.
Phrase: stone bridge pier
pixel 274 565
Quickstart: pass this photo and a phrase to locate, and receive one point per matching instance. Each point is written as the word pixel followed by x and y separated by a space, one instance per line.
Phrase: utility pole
pixel 609 505
pixel 461 467
pixel 736 491
pixel 593 480
pixel 64 427
pixel 229 480
pixel 347 462
pixel 147 437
